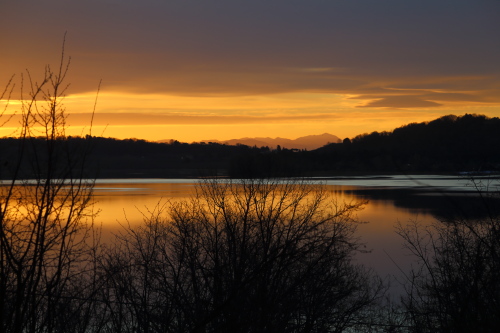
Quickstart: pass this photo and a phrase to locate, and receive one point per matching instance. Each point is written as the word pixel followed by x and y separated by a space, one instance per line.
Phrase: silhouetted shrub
pixel 248 256
pixel 455 285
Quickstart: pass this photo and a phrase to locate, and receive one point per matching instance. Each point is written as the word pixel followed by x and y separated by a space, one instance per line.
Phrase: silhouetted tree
pixel 45 216
pixel 455 285
pixel 248 256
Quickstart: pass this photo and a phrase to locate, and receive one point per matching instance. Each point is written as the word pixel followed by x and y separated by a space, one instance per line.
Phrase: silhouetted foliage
pixel 45 217
pixel 447 144
pixel 455 285
pixel 251 256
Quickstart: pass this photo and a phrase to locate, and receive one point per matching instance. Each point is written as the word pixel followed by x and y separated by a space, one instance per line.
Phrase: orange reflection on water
pixel 123 204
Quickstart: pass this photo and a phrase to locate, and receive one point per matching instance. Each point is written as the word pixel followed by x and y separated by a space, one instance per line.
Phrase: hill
pixel 447 144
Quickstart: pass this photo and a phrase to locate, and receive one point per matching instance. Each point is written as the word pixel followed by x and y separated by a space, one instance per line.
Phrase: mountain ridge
pixel 308 142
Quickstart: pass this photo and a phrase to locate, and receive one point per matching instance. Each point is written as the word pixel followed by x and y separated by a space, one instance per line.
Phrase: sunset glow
pixel 212 71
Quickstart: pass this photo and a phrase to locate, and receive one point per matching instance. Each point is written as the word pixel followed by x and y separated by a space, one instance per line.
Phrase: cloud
pixel 401 102
pixel 147 39
pixel 391 54
pixel 118 119
pixel 145 118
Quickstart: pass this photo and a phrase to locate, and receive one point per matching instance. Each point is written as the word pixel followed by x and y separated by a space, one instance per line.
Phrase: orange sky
pixel 230 69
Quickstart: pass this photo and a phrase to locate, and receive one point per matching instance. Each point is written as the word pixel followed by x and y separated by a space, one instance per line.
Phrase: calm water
pixel 391 199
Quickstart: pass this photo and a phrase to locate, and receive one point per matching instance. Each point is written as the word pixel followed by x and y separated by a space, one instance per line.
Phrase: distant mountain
pixel 308 142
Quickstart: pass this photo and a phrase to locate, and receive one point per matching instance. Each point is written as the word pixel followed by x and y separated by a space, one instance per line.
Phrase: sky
pixel 222 69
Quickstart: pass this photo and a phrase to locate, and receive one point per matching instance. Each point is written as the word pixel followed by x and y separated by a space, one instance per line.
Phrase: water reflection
pixel 390 199
pixel 123 202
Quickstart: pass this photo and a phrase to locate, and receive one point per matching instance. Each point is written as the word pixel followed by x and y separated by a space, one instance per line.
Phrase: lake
pixel 391 199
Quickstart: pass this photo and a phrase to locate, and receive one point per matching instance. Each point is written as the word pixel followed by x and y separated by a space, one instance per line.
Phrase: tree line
pixel 449 144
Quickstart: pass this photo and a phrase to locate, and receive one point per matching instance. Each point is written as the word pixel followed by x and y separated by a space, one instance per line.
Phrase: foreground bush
pixel 455 284
pixel 249 256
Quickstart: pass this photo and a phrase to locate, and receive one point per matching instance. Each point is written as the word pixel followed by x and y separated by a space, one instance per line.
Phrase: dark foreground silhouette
pixel 252 255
